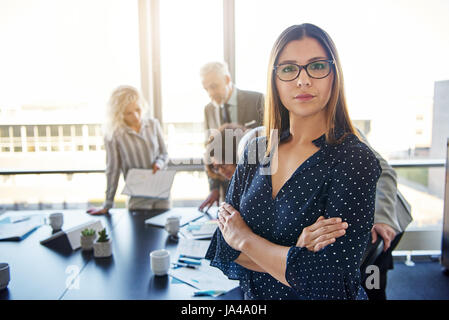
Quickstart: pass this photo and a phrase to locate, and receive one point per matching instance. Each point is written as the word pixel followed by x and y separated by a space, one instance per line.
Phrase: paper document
pixel 17 228
pixel 143 183
pixel 200 229
pixel 192 248
pixel 204 278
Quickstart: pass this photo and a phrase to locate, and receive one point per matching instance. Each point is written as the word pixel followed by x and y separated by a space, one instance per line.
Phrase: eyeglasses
pixel 316 69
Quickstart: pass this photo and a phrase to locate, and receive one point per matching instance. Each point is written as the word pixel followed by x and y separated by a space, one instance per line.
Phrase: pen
pixel 208 293
pixel 207 213
pixel 185 265
pixel 21 219
pixel 189 261
pixel 189 257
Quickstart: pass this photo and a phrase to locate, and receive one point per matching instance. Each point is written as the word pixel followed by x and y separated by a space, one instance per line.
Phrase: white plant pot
pixel 102 249
pixel 87 243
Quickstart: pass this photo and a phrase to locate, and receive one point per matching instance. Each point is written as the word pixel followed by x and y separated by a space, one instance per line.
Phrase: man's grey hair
pixel 219 68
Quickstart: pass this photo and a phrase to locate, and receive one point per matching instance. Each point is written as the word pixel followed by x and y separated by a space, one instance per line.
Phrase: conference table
pixel 42 272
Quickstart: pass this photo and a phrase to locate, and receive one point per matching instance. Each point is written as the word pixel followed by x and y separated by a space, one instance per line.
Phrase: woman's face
pixel 304 96
pixel 132 115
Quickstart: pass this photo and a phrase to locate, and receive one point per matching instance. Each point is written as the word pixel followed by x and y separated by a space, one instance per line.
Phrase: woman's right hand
pixel 96 211
pixel 321 234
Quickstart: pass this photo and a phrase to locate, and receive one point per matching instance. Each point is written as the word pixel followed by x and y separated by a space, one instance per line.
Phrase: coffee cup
pixel 4 275
pixel 56 220
pixel 160 262
pixel 172 225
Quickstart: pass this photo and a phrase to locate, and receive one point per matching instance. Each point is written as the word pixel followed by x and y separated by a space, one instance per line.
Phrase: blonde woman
pixel 131 141
pixel 317 167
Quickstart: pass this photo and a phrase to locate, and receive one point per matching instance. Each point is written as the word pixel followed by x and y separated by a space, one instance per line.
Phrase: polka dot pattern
pixel 337 181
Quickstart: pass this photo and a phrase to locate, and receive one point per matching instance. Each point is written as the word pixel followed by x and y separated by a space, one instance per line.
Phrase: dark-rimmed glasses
pixel 318 69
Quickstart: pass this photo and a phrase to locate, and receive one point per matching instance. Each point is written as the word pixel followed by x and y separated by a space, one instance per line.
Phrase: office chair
pixel 372 251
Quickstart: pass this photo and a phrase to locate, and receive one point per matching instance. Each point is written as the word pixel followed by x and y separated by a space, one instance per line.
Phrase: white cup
pixel 56 220
pixel 4 275
pixel 160 262
pixel 172 225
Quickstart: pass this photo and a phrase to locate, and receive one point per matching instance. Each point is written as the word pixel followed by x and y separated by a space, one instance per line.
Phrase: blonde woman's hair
pixel 120 98
pixel 276 116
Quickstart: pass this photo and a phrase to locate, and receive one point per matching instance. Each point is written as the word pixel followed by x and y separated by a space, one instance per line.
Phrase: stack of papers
pixel 199 230
pixel 203 276
pixel 192 248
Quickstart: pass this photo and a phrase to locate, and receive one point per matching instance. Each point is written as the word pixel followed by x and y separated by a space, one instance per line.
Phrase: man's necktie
pixel 225 113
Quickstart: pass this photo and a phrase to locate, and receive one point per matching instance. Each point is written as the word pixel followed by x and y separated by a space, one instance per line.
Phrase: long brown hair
pixel 276 116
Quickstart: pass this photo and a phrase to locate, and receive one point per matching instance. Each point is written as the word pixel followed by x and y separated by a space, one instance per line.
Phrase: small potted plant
pixel 87 239
pixel 103 247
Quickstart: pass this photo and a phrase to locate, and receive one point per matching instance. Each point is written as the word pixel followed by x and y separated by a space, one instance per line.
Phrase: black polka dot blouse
pixel 337 181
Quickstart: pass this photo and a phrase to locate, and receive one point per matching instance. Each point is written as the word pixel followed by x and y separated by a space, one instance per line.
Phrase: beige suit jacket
pixel 249 111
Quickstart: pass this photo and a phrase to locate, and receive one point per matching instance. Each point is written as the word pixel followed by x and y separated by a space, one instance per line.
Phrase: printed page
pixel 204 278
pixel 143 183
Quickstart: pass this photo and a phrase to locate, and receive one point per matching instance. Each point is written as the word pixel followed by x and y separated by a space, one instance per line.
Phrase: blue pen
pixel 208 293
pixel 189 257
pixel 189 261
pixel 185 265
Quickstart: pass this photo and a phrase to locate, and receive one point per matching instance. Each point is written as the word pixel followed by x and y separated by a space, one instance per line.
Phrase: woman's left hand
pixel 234 229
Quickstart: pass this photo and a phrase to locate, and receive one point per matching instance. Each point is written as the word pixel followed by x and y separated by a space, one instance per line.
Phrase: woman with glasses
pixel 313 165
pixel 132 141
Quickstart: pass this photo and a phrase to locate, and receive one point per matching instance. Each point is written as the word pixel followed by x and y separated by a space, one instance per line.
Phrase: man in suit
pixel 228 105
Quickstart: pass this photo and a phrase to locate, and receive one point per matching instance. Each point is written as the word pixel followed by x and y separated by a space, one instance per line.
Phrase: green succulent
pixel 88 232
pixel 103 236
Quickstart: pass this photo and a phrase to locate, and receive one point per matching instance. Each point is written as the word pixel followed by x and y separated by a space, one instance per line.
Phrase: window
pixel 30 131
pixel 54 131
pixel 62 61
pixel 191 35
pixel 16 131
pixel 42 131
pixel 4 131
pixel 91 130
pixel 79 130
pixel 66 132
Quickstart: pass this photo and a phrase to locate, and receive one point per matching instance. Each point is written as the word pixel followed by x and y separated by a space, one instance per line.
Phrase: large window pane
pixel 191 35
pixel 59 62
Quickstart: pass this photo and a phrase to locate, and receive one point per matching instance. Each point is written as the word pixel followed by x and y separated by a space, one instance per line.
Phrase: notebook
pixel 16 229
